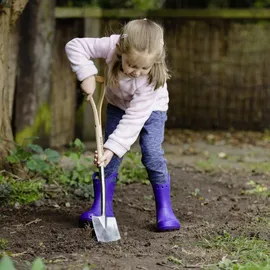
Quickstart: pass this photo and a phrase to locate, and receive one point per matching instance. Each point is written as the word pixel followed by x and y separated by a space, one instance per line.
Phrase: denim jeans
pixel 151 139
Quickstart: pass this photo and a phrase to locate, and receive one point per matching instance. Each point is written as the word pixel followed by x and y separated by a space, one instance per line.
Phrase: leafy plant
pixel 44 167
pixel 257 189
pixel 21 191
pixel 196 192
pixel 34 158
pixel 7 264
pixel 71 171
pixel 79 177
pixel 132 170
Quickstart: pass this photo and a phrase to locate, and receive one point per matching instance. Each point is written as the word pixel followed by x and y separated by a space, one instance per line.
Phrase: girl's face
pixel 137 64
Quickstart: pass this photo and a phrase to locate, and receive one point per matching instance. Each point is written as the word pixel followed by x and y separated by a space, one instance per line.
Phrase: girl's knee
pixel 153 159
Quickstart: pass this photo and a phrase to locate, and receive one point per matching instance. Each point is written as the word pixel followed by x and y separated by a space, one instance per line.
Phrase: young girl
pixel 137 104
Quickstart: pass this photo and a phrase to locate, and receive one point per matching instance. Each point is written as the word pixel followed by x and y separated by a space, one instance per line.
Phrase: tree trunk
pixel 8 17
pixel 12 65
pixel 32 101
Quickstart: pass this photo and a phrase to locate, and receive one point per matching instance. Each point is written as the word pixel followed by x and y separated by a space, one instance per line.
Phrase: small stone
pixel 222 155
pixel 206 153
pixel 17 205
pixel 67 204
pixel 38 203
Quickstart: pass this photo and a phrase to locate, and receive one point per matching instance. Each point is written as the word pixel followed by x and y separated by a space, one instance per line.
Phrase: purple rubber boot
pixel 166 220
pixel 95 210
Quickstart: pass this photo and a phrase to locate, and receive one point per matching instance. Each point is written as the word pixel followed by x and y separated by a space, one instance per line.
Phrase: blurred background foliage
pixel 156 4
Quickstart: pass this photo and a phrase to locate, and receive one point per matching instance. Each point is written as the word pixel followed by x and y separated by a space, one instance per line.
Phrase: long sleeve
pixel 80 51
pixel 129 127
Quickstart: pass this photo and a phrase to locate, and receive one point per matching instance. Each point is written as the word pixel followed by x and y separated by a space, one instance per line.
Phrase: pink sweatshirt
pixel 134 95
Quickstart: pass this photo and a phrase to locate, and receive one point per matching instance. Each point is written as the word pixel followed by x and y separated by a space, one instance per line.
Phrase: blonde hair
pixel 141 36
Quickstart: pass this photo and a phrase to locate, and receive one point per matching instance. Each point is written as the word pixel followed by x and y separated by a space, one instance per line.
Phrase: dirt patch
pixel 205 203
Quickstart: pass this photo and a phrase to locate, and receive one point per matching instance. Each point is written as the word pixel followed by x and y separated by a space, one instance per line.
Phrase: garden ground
pixel 220 193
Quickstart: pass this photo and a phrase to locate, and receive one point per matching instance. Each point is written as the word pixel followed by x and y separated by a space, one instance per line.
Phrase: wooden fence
pixel 220 62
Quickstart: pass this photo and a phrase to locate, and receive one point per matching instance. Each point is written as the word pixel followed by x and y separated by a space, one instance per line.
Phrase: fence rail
pixel 89 12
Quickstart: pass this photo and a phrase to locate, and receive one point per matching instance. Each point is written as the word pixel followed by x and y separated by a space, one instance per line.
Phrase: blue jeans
pixel 151 139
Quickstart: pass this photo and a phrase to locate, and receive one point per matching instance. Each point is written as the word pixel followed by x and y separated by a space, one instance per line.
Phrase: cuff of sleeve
pixel 86 71
pixel 115 147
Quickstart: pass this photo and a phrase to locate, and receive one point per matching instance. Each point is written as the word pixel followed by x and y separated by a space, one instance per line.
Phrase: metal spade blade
pixel 105 228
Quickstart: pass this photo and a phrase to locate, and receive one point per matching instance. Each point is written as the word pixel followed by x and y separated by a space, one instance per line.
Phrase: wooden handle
pixel 100 79
pixel 97 111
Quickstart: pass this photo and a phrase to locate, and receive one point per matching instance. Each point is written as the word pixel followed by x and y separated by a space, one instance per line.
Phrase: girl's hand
pixel 88 86
pixel 105 159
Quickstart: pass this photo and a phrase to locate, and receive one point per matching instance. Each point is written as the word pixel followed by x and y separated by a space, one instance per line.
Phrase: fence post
pixel 63 92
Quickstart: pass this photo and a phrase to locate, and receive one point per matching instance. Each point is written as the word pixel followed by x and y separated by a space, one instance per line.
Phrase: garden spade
pixel 105 228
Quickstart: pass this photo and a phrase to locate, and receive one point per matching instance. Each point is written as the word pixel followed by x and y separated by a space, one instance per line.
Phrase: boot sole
pixel 85 223
pixel 168 228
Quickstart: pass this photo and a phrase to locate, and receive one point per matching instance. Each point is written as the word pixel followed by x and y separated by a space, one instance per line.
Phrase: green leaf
pixel 6 263
pixel 18 155
pixel 78 146
pixel 74 156
pixel 175 260
pixel 13 159
pixel 37 165
pixel 225 263
pixel 22 154
pixel 87 179
pixel 75 175
pixel 38 264
pixel 80 167
pixel 52 155
pixel 38 158
pixel 35 148
pixel 78 143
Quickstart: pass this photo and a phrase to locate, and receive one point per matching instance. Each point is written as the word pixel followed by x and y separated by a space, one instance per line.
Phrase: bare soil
pixel 207 203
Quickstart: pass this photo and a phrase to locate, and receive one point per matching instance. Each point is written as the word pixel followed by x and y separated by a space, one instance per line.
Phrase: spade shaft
pixel 103 191
pixel 105 228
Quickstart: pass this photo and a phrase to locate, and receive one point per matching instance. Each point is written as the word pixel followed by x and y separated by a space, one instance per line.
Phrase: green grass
pixel 263 167
pixel 239 251
pixel 3 243
pixel 227 264
pixel 215 164
pixel 208 165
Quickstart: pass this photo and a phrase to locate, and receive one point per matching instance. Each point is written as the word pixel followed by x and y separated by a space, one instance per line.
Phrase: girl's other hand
pixel 105 159
pixel 88 86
